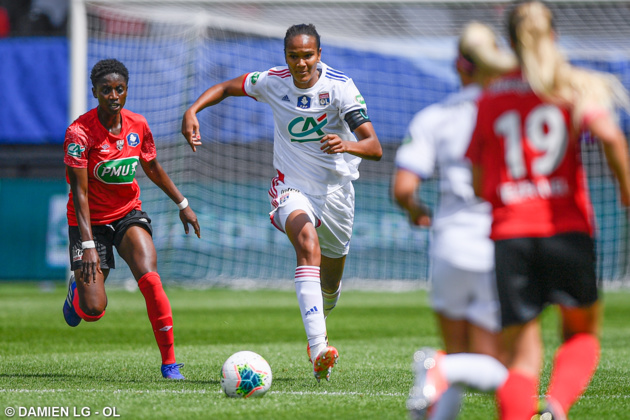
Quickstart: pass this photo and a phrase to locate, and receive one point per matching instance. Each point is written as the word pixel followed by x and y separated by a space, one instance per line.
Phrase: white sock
pixel 449 404
pixel 309 294
pixel 330 300
pixel 479 371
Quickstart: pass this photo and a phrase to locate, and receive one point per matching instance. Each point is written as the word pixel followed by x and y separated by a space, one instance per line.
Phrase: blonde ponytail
pixel 548 72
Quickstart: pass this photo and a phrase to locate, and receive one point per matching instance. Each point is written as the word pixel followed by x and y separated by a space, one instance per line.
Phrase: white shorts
pixel 332 214
pixel 465 295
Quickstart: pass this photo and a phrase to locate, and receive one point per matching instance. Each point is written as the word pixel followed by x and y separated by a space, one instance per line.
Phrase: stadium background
pixel 400 56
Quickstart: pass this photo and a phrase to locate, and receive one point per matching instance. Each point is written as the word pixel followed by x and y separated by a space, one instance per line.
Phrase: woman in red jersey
pixel 103 149
pixel 525 156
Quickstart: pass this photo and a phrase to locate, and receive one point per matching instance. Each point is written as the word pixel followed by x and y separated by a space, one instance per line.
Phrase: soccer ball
pixel 245 374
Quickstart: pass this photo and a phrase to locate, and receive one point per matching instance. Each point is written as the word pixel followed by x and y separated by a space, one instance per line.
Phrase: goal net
pixel 400 55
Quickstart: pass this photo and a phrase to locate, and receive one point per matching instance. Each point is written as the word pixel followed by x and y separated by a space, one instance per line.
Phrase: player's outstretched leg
pixel 429 383
pixel 161 318
pixel 308 291
pixel 69 314
pixel 324 362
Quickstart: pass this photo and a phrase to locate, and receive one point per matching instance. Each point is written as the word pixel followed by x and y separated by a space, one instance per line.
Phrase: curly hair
pixel 301 29
pixel 108 66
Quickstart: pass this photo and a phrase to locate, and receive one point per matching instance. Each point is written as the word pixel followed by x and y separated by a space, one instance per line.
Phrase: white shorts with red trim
pixel 331 214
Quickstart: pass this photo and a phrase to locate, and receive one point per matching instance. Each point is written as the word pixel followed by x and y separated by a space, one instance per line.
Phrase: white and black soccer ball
pixel 245 374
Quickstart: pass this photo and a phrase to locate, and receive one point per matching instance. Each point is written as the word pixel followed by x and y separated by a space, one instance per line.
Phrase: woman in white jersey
pixel 463 293
pixel 316 109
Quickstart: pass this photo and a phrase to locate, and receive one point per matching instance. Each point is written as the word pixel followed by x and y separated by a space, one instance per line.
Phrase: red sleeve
pixel 75 147
pixel 148 152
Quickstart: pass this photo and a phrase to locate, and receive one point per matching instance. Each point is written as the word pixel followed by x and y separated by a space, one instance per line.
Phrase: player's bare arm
pixel 212 96
pixel 79 186
pixel 404 188
pixel 159 177
pixel 477 175
pixel 616 152
pixel 368 146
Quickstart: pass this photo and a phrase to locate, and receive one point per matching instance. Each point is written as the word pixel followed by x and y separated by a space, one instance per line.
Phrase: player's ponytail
pixel 548 72
pixel 479 55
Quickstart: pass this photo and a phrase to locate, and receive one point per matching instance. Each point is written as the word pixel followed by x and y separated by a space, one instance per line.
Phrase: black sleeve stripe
pixel 356 118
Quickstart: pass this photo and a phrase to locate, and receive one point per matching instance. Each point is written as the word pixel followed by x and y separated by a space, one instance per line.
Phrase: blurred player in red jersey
pixel 525 153
pixel 103 149
pixel 463 289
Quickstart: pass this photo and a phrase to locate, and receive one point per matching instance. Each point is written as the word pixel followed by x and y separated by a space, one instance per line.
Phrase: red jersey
pixel 111 161
pixel 529 156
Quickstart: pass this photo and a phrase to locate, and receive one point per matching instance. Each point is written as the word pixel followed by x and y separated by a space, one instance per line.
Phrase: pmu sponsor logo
pixel 307 129
pixel 118 171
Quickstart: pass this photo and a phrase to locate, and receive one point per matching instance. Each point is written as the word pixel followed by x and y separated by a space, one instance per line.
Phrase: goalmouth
pixel 399 54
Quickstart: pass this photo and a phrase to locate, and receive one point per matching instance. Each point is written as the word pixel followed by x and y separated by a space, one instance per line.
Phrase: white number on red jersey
pixel 546 132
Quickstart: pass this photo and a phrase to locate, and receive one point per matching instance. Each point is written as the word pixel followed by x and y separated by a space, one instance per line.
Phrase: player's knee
pixel 93 308
pixel 308 246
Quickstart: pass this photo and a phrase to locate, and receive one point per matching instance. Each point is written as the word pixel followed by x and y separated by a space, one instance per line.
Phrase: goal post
pixel 399 53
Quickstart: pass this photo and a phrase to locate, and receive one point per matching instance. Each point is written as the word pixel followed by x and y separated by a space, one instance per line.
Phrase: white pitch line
pixel 219 391
pixel 198 391
pixel 341 393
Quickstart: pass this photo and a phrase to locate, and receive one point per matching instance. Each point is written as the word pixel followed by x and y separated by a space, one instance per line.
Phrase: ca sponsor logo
pixel 307 129
pixel 75 150
pixel 118 171
pixel 254 78
pixel 360 99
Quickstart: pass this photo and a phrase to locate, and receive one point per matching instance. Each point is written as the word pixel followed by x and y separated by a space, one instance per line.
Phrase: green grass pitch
pixel 115 362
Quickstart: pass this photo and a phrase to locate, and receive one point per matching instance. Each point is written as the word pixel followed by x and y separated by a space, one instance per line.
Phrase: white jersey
pixel 439 135
pixel 301 118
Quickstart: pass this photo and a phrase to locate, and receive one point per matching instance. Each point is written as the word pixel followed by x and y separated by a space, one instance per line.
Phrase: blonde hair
pixel 548 72
pixel 480 53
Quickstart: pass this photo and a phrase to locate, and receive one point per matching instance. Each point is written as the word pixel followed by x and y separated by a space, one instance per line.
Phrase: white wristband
pixel 88 244
pixel 183 204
